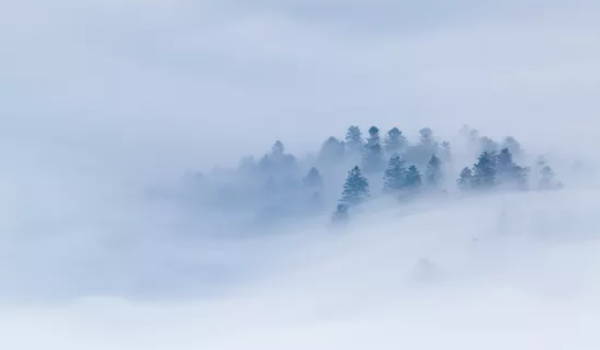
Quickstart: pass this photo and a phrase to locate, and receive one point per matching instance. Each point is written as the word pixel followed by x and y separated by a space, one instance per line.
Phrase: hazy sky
pixel 156 85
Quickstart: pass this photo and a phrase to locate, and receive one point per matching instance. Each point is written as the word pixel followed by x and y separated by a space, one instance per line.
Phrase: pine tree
pixel 278 160
pixel 509 173
pixel 356 188
pixel 413 178
pixel 395 175
pixel 434 171
pixel 354 141
pixel 373 156
pixel 484 174
pixel 465 181
pixel 313 178
pixel 504 162
pixel 395 142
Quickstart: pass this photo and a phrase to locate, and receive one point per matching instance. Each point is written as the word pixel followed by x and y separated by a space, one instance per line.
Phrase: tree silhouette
pixel 356 188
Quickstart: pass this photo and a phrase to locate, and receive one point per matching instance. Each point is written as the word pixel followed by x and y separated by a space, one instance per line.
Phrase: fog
pixel 142 205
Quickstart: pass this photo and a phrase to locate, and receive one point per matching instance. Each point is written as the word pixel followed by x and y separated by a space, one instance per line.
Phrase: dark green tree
pixel 484 174
pixel 356 188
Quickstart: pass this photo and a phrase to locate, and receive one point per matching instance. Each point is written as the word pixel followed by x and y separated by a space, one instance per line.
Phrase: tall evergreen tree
pixel 413 178
pixel 356 188
pixel 465 181
pixel 484 174
pixel 433 174
pixel 354 141
pixel 395 175
pixel 395 142
pixel 373 156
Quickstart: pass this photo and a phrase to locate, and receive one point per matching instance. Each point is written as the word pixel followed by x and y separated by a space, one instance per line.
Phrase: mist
pixel 145 203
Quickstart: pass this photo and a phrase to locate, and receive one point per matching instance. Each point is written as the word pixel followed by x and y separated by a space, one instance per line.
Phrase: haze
pixel 113 110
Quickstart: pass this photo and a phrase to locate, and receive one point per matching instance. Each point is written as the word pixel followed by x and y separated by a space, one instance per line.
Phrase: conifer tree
pixel 508 173
pixel 395 175
pixel 413 178
pixel 484 174
pixel 278 160
pixel 433 174
pixel 354 141
pixel 373 156
pixel 465 181
pixel 395 142
pixel 356 188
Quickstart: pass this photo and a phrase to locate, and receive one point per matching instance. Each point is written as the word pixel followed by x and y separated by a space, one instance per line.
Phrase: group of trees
pixel 492 169
pixel 280 185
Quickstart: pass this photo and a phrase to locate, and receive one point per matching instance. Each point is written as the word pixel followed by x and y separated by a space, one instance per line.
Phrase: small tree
pixel 413 178
pixel 356 188
pixel 433 174
pixel 395 175
pixel 395 142
pixel 465 181
pixel 373 156
pixel 354 141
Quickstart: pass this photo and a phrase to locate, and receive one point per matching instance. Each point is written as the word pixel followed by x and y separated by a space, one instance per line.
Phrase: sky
pixel 104 99
pixel 155 84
